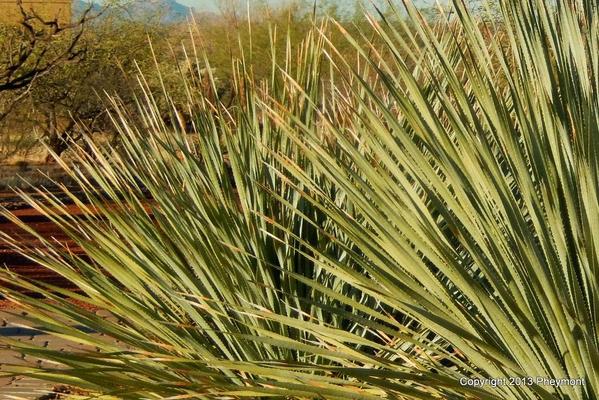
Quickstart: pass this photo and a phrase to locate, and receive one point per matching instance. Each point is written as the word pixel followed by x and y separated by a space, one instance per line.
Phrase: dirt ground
pixel 21 264
pixel 19 387
pixel 23 175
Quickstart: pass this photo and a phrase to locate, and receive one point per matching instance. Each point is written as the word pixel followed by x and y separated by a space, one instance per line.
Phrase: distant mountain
pixel 80 6
pixel 165 11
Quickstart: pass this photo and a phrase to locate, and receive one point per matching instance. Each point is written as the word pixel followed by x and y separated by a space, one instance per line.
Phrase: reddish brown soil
pixel 21 264
pixel 46 229
pixel 7 305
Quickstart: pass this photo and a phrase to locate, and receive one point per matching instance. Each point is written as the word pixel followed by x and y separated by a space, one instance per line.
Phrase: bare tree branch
pixel 37 52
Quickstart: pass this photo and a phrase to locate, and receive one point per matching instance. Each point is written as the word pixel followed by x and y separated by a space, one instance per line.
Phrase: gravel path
pixel 25 388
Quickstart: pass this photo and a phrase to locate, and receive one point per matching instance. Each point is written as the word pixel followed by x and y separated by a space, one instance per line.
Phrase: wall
pixel 49 10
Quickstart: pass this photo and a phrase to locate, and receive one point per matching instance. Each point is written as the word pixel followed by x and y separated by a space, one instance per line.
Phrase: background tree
pixel 33 48
pixel 73 96
pixel 64 88
pixel 76 67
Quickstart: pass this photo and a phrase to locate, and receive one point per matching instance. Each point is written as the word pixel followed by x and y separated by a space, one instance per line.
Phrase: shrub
pixel 423 218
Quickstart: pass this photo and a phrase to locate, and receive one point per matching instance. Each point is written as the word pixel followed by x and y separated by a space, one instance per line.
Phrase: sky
pixel 212 4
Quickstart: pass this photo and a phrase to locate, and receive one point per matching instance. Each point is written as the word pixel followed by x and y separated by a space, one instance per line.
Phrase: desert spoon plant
pixel 418 223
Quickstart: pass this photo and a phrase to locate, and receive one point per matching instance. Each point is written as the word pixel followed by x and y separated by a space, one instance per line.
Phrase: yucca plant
pixel 419 224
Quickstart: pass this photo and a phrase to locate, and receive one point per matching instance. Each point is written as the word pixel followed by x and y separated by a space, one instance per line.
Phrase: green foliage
pixel 69 100
pixel 75 92
pixel 422 215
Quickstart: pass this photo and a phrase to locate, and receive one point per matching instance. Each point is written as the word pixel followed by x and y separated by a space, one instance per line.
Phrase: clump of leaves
pixel 423 217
